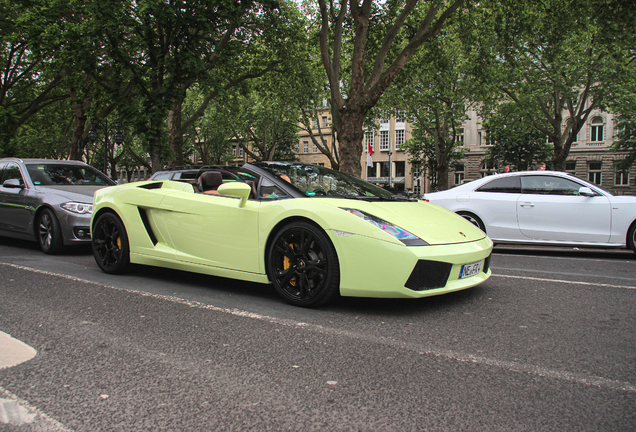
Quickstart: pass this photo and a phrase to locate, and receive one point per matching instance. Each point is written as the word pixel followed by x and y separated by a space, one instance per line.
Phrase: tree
pixel 362 63
pixel 435 91
pixel 263 123
pixel 210 135
pixel 515 141
pixel 624 107
pixel 552 59
pixel 166 47
pixel 29 81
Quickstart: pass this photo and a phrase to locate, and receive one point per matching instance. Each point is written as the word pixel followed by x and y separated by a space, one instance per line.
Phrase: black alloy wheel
pixel 110 244
pixel 303 265
pixel 49 233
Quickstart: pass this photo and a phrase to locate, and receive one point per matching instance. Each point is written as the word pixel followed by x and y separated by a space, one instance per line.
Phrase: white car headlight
pixel 399 233
pixel 79 208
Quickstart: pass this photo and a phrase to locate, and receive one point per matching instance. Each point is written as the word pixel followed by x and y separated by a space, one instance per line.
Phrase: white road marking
pixel 588 380
pixel 17 412
pixel 13 352
pixel 566 282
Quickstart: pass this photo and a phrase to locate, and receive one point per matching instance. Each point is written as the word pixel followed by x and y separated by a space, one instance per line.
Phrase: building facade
pixel 590 157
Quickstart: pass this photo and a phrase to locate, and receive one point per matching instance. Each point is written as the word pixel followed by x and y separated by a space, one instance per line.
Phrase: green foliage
pixel 555 59
pixel 262 121
pixel 515 141
pixel 435 91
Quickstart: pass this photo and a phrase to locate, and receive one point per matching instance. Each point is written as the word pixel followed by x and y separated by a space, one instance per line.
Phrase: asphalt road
pixel 546 344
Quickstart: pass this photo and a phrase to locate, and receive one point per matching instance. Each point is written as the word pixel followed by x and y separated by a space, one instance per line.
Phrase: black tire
pixel 473 220
pixel 49 233
pixel 631 237
pixel 110 244
pixel 303 266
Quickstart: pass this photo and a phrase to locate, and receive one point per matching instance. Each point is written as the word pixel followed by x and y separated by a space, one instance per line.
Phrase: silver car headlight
pixel 79 208
pixel 399 233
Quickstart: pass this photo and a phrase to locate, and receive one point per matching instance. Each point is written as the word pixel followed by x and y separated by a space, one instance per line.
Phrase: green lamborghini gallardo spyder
pixel 312 232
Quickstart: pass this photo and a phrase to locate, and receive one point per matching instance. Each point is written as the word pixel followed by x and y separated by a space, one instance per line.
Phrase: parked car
pixel 183 173
pixel 312 232
pixel 544 208
pixel 48 201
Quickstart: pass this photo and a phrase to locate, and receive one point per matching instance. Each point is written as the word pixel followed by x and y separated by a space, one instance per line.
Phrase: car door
pixel 495 203
pixel 16 209
pixel 212 230
pixel 550 208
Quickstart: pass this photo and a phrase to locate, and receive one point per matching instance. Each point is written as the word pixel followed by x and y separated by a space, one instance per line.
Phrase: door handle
pixel 527 204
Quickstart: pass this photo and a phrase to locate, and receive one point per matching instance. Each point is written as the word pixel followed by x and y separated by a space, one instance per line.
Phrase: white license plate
pixel 469 270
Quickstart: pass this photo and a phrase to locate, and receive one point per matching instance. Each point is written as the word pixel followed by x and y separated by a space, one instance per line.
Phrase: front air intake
pixel 428 275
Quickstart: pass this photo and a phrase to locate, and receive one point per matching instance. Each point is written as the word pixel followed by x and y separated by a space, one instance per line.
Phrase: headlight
pixel 79 208
pixel 401 234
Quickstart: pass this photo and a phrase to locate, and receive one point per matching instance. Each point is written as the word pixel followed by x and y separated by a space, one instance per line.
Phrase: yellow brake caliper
pixel 287 264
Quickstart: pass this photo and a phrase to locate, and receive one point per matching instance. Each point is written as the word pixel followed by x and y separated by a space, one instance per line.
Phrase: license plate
pixel 469 270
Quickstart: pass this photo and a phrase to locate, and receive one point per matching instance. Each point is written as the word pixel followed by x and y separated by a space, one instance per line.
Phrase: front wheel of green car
pixel 303 265
pixel 110 244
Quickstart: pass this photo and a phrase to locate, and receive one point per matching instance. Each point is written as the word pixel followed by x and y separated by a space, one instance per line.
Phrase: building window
pixel 622 178
pixel 487 168
pixel 385 169
pixel 234 151
pixel 315 124
pixel 459 174
pixel 324 122
pixel 570 167
pixel 384 121
pixel 241 153
pixel 371 171
pixel 460 136
pixel 594 172
pixel 305 146
pixel 597 129
pixel 399 139
pixel 384 140
pixel 315 149
pixel 369 137
pixel 400 168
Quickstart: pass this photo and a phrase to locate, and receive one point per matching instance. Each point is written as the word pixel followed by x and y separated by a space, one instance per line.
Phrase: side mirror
pixel 586 191
pixel 236 189
pixel 13 184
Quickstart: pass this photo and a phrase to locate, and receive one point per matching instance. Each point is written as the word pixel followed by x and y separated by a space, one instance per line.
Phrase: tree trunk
pixel 174 129
pixel 350 138
pixel 79 112
pixel 155 157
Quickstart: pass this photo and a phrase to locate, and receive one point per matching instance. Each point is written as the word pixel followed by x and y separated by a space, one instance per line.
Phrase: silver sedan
pixel 544 207
pixel 48 201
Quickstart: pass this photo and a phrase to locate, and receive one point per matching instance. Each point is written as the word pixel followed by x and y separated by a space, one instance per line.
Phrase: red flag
pixel 369 154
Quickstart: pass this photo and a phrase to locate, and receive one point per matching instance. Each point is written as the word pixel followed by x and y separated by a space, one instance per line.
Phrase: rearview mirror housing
pixel 236 189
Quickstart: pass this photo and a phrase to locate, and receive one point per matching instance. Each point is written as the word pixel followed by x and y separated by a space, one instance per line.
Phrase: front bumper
pixel 373 268
pixel 75 227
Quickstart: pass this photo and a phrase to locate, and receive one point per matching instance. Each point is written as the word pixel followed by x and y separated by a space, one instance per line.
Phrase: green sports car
pixel 312 232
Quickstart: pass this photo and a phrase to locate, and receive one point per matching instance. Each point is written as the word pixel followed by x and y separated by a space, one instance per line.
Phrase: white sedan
pixel 544 208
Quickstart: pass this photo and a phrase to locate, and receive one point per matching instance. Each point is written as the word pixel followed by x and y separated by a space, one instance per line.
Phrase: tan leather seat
pixel 209 181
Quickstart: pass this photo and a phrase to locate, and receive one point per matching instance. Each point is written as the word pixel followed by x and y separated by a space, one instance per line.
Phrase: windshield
pixel 318 181
pixel 62 174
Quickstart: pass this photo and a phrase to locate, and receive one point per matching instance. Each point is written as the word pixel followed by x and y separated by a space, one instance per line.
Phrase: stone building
pixel 589 158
